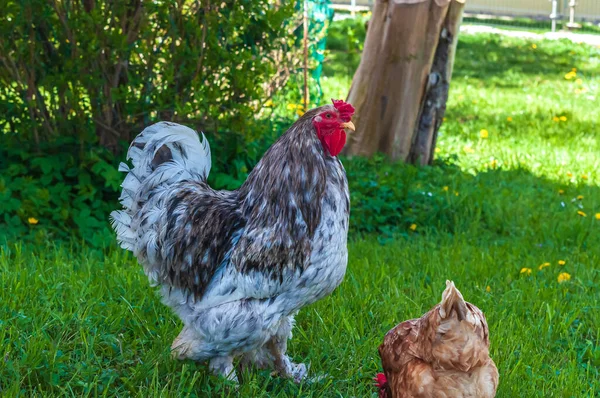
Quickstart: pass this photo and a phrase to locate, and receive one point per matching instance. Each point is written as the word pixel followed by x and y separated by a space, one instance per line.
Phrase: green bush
pixel 65 191
pixel 345 43
pixel 59 98
pixel 387 197
pixel 80 79
pixel 60 193
pixel 99 71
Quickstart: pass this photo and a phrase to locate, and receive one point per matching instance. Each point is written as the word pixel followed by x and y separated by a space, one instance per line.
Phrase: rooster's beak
pixel 348 125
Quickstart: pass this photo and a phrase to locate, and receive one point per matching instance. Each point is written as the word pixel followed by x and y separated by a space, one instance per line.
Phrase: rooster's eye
pixel 328 116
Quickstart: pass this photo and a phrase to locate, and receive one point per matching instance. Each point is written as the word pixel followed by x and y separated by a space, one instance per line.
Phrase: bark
pixel 400 88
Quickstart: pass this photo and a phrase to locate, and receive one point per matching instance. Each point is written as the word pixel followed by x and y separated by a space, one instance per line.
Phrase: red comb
pixel 380 380
pixel 381 384
pixel 345 109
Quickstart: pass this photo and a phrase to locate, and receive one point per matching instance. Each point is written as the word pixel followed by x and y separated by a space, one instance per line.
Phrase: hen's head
pixel 461 332
pixel 330 123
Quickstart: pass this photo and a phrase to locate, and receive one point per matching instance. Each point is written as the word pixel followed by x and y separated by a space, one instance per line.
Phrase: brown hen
pixel 443 354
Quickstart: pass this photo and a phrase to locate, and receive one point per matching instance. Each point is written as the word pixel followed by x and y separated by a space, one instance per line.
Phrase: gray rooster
pixel 236 266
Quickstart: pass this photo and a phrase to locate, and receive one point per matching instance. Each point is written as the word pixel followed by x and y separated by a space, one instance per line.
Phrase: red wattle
pixel 335 142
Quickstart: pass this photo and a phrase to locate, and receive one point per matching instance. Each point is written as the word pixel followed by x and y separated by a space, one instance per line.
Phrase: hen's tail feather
pixel 163 154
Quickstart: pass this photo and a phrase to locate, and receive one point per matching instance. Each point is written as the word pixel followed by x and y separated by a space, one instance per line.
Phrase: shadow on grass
pixel 497 204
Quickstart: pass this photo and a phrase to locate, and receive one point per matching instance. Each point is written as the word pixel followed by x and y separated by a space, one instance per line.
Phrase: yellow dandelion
pixel 563 277
pixel 579 197
pixel 526 271
pixel 584 177
pixel 582 214
pixel 413 227
pixel 542 266
pixel 32 220
pixel 570 75
pixel 488 289
pixel 534 46
pixel 438 150
pixel 291 107
pixel 597 216
pixel 555 119
pixel 484 133
pixel 563 118
pixel 455 193
pixel 569 174
pixel 561 191
pixel 445 189
pixel 269 103
pixel 299 112
pixel 574 70
pixel 509 119
pixel 493 163
pixel 561 262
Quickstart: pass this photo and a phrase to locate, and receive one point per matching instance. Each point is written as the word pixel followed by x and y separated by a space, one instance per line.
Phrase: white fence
pixel 584 10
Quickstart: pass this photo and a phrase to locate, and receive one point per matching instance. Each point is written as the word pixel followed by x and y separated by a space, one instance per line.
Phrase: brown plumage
pixel 443 354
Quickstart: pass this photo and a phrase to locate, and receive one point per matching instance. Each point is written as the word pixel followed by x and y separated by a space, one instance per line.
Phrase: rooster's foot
pixel 288 369
pixel 299 372
pixel 223 366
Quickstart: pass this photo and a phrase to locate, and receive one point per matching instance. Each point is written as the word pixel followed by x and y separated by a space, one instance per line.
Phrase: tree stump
pixel 401 86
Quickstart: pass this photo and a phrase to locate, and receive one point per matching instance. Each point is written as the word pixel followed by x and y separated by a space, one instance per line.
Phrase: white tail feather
pixel 189 159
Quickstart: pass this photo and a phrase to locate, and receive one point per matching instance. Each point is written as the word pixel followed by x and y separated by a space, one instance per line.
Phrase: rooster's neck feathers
pixel 291 175
pixel 284 194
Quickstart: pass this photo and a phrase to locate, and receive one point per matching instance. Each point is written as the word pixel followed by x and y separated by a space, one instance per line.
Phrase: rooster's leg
pixel 286 368
pixel 223 366
pixel 273 354
pixel 277 347
pixel 186 345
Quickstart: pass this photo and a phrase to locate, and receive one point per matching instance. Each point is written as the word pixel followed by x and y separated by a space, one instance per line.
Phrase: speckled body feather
pixel 236 265
pixel 443 354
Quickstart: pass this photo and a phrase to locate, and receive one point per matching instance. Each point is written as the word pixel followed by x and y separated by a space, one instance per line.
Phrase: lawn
pixel 516 185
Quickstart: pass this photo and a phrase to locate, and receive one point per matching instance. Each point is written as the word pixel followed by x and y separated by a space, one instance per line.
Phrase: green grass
pixel 530 25
pixel 79 323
